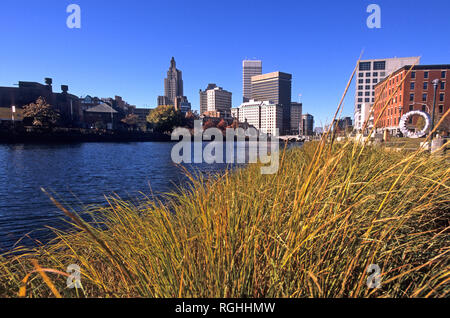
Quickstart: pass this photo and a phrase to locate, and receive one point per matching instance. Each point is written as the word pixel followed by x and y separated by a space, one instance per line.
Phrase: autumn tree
pixel 208 124
pixel 164 118
pixel 222 125
pixel 131 120
pixel 41 113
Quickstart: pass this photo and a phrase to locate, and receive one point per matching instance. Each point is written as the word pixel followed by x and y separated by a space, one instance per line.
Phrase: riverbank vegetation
pixel 311 230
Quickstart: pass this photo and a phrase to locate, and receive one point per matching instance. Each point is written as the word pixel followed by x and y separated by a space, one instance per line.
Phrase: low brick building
pixel 25 93
pixel 411 90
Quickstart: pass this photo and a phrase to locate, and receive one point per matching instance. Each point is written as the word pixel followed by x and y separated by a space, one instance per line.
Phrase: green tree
pixel 41 113
pixel 164 118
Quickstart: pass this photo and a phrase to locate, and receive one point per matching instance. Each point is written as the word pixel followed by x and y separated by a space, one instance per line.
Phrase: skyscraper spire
pixel 173 64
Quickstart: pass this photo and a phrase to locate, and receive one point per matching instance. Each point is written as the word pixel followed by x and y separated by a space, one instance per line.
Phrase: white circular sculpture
pixel 411 134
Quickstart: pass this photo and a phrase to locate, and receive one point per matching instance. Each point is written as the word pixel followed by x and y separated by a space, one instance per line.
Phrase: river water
pixel 78 175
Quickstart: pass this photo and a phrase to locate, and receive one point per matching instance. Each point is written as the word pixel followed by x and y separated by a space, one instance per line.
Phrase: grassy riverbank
pixel 311 230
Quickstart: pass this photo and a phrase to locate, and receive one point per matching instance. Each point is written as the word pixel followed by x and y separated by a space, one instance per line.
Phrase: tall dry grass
pixel 311 230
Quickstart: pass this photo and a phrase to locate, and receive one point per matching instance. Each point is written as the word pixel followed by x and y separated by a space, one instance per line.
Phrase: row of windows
pixel 368 81
pixel 426 74
pixel 374 74
pixel 425 97
pixel 366 100
pixel 425 85
pixel 366 94
pixel 377 66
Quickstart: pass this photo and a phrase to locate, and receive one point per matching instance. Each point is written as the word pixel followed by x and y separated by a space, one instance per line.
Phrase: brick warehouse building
pixel 416 93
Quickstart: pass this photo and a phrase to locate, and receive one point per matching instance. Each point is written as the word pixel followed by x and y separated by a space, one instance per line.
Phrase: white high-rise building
pixel 369 74
pixel 264 116
pixel 219 100
pixel 249 68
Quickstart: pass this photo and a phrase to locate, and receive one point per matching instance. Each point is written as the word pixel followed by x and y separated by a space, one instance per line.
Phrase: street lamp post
pixel 436 83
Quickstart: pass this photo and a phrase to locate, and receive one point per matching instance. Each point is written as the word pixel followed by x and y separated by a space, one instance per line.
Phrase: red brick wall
pixel 401 103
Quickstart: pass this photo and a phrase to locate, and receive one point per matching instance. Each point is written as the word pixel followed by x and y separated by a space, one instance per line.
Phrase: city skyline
pixel 133 66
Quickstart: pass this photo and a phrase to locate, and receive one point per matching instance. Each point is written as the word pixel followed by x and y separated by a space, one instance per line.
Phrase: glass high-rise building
pixel 249 68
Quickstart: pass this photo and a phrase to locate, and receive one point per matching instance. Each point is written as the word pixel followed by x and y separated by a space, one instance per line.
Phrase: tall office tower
pixel 173 84
pixel 275 87
pixel 307 125
pixel 204 98
pixel 370 73
pixel 249 69
pixel 219 100
pixel 296 117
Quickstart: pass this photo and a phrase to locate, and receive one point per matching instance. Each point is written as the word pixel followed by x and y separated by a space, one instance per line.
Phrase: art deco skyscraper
pixel 249 69
pixel 173 85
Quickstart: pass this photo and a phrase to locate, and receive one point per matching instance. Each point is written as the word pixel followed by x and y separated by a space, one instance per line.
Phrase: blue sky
pixel 124 47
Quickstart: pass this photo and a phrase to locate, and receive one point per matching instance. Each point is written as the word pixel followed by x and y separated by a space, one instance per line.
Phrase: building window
pixel 441 97
pixel 442 85
pixel 368 81
pixel 361 81
pixel 359 106
pixel 375 74
pixel 424 108
pixel 361 74
pixel 411 97
pixel 443 74
pixel 426 74
pixel 364 66
pixel 373 100
pixel 379 66
pixel 360 93
pixel 411 108
pixel 375 81
pixel 425 85
pixel 413 86
pixel 367 100
pixel 383 74
pixel 424 97
pixel 360 100
pixel 413 74
pixel 441 109
pixel 367 86
pixel 367 74
pixel 360 87
pixel 367 93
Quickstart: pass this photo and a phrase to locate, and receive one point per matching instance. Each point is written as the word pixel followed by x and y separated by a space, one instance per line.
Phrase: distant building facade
pixel 264 116
pixel 204 98
pixel 296 117
pixel 415 93
pixel 219 100
pixel 307 125
pixel 275 87
pixel 173 87
pixel 66 104
pixel 182 104
pixel 369 74
pixel 250 68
